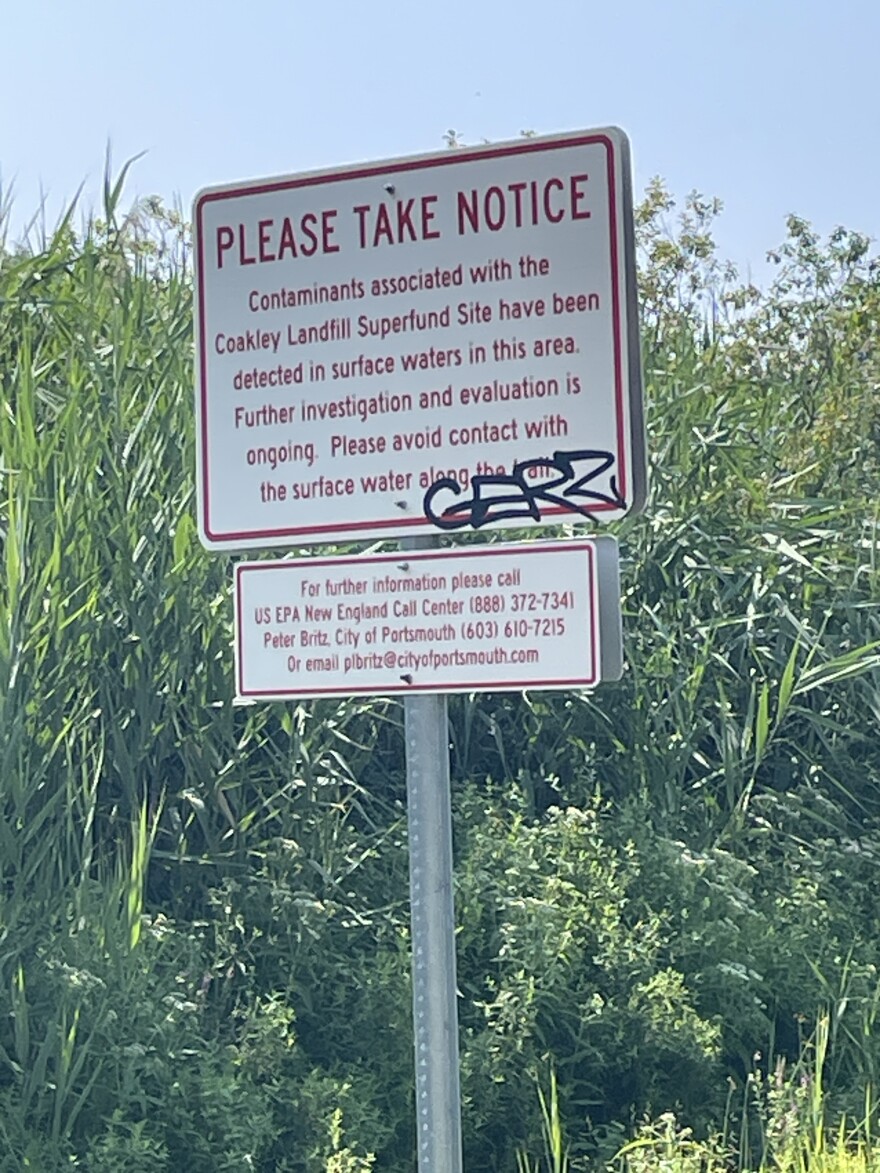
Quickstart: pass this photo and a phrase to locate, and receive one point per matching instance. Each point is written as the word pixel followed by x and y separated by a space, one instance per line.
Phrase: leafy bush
pixel 203 923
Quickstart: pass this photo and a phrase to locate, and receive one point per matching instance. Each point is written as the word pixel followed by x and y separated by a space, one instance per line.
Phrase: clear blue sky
pixel 773 105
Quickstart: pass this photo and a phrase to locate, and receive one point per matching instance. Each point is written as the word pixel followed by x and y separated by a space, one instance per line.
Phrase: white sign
pixel 431 344
pixel 488 617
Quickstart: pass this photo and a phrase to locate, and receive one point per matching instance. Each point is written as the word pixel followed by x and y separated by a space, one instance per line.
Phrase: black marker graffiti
pixel 518 498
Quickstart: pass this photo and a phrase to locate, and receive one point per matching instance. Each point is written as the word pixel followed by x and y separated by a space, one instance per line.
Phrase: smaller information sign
pixel 544 615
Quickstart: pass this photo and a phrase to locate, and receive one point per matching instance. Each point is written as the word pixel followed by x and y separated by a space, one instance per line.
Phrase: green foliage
pixel 127 1148
pixel 555 1147
pixel 665 890
pixel 575 972
pixel 790 1110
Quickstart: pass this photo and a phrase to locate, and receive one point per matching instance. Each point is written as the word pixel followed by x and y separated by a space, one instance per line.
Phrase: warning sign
pixel 437 344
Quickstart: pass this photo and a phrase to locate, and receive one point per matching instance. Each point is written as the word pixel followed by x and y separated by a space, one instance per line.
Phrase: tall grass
pixel 203 931
pixel 555 1148
pixel 128 782
pixel 792 1119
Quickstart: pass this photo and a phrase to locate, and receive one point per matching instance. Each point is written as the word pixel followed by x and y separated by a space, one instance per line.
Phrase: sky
pixel 771 105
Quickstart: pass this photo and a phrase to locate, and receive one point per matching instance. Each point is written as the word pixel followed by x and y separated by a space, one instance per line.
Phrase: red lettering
pixel 243 258
pixel 305 235
pixel 498 222
pixel 558 184
pixel 288 240
pixel 309 221
pixel 361 212
pixel 464 209
pixel 383 226
pixel 428 217
pixel 327 229
pixel 263 230
pixel 404 220
pixel 518 189
pixel 577 196
pixel 225 241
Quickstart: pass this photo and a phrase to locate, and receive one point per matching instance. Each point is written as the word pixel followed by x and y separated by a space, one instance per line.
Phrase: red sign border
pixel 343 530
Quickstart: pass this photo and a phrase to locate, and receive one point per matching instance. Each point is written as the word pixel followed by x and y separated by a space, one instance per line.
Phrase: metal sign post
pixel 432 918
pixel 432 915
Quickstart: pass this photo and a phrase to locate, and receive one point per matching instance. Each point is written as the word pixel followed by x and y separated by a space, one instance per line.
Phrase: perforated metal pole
pixel 432 912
